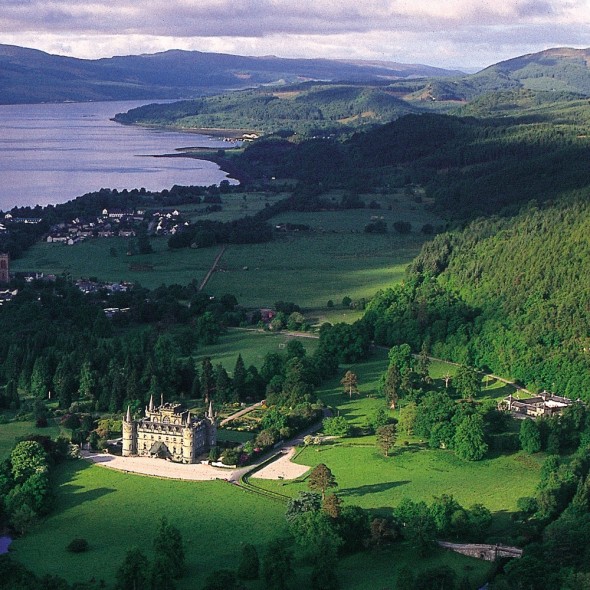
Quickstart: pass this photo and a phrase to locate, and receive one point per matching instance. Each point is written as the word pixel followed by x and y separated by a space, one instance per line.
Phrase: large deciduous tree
pixel 133 572
pixel 469 441
pixel 350 382
pixel 27 458
pixel 168 545
pixel 320 479
pixel 386 437
pixel 530 436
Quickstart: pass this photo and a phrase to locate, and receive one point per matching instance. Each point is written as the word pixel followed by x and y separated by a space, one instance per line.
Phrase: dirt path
pixel 240 413
pixel 212 269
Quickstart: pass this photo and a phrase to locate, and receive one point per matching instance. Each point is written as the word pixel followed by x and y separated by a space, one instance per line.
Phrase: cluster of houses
pixel 87 286
pixel 115 222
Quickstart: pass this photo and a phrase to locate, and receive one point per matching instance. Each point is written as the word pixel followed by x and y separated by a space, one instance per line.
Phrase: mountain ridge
pixel 32 76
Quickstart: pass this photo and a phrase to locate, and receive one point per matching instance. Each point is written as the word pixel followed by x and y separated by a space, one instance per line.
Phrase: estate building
pixel 544 404
pixel 169 432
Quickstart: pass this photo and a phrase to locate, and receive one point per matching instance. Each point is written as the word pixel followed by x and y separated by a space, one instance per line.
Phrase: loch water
pixel 51 153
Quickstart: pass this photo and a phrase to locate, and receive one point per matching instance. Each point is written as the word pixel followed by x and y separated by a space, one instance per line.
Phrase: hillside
pixel 553 70
pixel 507 294
pixel 555 74
pixel 30 76
pixel 305 109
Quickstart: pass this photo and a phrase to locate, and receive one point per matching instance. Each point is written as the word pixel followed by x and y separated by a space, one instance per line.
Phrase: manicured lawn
pixel 11 431
pixel 115 511
pixel 367 478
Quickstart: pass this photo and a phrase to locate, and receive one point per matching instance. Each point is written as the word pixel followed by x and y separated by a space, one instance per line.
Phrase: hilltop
pixel 31 76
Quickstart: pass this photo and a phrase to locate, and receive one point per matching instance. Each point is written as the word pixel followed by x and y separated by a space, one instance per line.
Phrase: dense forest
pixel 507 294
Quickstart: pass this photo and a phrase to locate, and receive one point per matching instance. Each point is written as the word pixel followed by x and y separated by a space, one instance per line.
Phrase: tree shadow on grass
pixel 373 488
pixel 76 496
pixel 409 448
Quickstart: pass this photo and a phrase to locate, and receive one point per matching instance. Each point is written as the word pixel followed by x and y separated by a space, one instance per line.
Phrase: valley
pixel 391 245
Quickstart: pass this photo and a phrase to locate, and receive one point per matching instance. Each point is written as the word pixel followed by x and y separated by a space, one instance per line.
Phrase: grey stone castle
pixel 169 432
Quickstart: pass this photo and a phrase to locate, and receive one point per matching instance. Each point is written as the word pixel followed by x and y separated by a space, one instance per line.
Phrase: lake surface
pixel 52 153
pixel 4 544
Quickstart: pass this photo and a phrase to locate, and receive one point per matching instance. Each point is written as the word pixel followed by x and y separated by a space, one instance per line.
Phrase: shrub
pixel 77 546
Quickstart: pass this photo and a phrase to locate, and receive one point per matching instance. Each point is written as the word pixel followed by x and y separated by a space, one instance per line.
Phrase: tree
pixel 350 383
pixel 469 441
pixel 303 502
pixel 160 578
pixel 239 379
pixel 27 458
pixel 530 436
pixel 168 545
pixel 249 566
pixel 424 364
pixel 336 426
pixel 407 418
pixel 320 479
pixel 277 566
pixel 467 382
pixel 222 580
pixel 332 506
pixel 207 379
pixel 386 437
pixel 133 572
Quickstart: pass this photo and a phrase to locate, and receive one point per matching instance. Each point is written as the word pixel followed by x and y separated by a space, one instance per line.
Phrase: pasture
pixel 334 259
pixel 253 345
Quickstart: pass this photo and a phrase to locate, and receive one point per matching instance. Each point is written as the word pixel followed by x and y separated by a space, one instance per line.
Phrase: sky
pixel 445 33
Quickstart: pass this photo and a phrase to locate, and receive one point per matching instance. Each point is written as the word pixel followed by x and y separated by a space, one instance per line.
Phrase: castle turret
pixel 188 441
pixel 151 406
pixel 211 427
pixel 129 438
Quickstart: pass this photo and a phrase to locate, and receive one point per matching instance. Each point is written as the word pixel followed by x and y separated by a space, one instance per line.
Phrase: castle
pixel 169 432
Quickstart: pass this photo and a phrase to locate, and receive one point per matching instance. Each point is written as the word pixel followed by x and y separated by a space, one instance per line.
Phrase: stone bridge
pixel 487 552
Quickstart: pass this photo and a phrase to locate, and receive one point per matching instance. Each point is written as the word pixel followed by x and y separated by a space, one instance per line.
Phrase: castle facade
pixel 169 432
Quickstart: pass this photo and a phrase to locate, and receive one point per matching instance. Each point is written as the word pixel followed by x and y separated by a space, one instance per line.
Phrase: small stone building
pixel 169 432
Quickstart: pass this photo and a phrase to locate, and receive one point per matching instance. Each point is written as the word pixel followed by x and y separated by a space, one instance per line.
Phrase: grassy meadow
pixel 115 511
pixel 11 431
pixel 332 260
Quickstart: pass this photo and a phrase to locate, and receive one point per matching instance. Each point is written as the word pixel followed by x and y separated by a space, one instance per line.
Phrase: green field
pixel 253 345
pixel 367 478
pixel 12 431
pixel 334 259
pixel 115 511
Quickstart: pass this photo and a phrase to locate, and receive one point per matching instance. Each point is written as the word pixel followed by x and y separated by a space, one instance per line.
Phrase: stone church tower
pixel 4 260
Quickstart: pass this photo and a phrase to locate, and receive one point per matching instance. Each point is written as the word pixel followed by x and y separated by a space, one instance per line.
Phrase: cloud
pixel 462 30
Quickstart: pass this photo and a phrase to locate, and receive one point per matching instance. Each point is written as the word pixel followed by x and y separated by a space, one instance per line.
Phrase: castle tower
pixel 129 438
pixel 188 441
pixel 212 427
pixel 4 260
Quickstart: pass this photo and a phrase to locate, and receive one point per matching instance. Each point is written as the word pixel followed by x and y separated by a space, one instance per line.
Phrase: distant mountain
pixel 30 76
pixel 554 70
